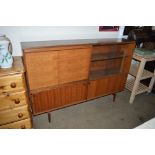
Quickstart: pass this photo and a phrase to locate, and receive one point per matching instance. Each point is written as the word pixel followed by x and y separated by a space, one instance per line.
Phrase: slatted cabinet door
pixel 59 97
pixel 106 85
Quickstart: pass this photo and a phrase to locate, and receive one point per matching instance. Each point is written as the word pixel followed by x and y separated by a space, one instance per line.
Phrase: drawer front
pixel 11 83
pixel 117 50
pixel 17 114
pixel 12 100
pixel 23 124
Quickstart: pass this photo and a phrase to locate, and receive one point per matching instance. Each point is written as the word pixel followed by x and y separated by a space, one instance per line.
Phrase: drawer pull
pixel 1 87
pixel 13 85
pixel 17 101
pixel 23 127
pixel 20 115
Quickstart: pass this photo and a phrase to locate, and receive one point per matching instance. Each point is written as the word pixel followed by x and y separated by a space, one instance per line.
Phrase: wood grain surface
pixel 12 100
pixel 12 83
pixel 23 124
pixel 13 115
pixel 59 97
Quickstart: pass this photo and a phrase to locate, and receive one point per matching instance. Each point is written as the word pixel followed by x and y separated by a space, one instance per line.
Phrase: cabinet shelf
pixel 96 74
pixel 141 89
pixel 146 74
pixel 107 56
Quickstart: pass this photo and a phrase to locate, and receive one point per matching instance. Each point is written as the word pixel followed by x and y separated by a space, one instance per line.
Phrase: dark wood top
pixel 16 68
pixel 54 43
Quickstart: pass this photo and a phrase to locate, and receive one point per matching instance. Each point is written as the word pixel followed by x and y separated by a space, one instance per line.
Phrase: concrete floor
pixel 101 113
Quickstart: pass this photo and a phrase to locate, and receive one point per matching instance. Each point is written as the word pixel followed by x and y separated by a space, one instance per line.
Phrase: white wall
pixel 19 34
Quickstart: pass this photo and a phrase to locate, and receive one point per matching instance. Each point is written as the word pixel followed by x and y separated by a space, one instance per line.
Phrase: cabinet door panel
pixel 41 69
pixel 73 65
pixel 106 85
pixel 114 49
pixel 59 97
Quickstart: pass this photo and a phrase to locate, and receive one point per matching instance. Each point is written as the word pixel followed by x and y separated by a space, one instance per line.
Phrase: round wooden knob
pixel 20 115
pixel 23 127
pixel 17 101
pixel 13 85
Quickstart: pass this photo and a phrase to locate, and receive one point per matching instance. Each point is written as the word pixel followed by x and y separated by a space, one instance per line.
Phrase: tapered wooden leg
pixel 49 117
pixel 114 97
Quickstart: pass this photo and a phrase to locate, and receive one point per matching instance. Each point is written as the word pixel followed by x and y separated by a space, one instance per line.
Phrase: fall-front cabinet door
pixel 41 68
pixel 73 64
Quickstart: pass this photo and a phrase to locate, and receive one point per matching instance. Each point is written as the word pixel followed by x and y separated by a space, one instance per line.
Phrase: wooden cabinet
pixel 59 97
pixel 14 108
pixel 62 73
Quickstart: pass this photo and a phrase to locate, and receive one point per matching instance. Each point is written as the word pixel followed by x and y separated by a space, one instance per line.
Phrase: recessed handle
pixel 13 85
pixel 17 101
pixel 20 115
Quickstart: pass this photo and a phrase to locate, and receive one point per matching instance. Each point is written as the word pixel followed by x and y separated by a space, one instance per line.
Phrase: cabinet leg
pixel 114 97
pixel 49 117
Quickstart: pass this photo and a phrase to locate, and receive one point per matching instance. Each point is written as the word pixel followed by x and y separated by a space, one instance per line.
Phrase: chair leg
pixel 114 97
pixel 49 117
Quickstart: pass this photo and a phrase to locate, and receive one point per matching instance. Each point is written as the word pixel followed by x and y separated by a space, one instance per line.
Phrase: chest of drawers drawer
pixel 12 115
pixel 11 83
pixel 23 124
pixel 12 100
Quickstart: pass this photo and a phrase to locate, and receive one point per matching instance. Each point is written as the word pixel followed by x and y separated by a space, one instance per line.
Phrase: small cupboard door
pixel 106 85
pixel 59 97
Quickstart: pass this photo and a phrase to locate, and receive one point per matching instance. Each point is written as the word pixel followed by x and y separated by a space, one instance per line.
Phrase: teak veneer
pixel 63 73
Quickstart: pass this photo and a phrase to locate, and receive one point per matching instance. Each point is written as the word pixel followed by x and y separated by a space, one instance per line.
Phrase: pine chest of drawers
pixel 14 108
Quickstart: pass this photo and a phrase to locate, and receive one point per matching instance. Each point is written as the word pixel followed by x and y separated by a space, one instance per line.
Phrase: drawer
pixel 12 100
pixel 23 124
pixel 16 114
pixel 113 50
pixel 11 83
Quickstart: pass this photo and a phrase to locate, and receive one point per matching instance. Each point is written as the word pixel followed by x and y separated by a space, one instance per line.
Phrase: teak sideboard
pixel 63 73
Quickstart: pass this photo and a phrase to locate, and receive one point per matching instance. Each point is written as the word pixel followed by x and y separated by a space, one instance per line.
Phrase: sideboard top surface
pixel 55 43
